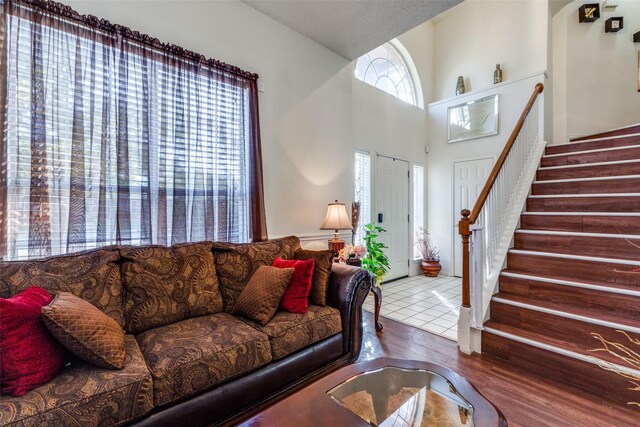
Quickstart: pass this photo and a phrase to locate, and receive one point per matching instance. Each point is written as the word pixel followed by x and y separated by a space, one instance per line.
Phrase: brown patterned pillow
pixel 236 263
pixel 85 331
pixel 165 285
pixel 260 298
pixel 321 274
pixel 92 275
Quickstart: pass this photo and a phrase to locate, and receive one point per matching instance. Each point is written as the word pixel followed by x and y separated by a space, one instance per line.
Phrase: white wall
pixel 476 35
pixel 442 220
pixel 313 112
pixel 596 73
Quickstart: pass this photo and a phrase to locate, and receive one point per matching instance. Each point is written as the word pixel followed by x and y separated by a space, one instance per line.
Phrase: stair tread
pixel 611 286
pixel 572 310
pixel 554 342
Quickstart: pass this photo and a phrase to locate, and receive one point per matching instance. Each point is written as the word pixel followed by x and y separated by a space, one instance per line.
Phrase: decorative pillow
pixel 260 298
pixel 321 272
pixel 164 285
pixel 29 355
pixel 85 331
pixel 296 296
pixel 92 275
pixel 236 263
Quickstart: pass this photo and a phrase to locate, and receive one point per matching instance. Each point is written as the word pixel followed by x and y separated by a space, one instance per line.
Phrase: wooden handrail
pixel 470 217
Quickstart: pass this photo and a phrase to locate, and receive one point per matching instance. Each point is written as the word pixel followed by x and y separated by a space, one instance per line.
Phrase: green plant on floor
pixel 375 261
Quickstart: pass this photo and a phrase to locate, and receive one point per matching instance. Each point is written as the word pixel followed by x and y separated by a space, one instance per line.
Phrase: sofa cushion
pixel 290 332
pixel 85 331
pixel 164 285
pixel 91 275
pixel 259 300
pixel 296 297
pixel 323 261
pixel 236 263
pixel 196 354
pixel 29 355
pixel 83 395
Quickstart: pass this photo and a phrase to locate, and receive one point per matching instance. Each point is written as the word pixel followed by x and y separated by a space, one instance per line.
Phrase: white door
pixel 469 179
pixel 392 213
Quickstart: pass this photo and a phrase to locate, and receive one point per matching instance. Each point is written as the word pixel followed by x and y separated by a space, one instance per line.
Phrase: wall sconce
pixel 336 219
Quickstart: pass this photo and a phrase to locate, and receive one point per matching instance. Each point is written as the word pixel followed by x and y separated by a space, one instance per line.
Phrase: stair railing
pixel 487 229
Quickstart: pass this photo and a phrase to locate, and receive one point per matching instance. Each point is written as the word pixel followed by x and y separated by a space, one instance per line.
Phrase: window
pixel 113 141
pixel 418 203
pixel 362 192
pixel 389 68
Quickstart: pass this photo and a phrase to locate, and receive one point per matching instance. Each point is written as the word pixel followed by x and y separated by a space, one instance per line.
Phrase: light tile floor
pixel 428 303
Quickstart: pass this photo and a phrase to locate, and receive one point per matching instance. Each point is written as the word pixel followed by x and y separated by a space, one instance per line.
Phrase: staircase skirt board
pixel 563 365
pixel 592 156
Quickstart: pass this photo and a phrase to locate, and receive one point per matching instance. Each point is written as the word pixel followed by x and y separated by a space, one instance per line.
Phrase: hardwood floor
pixel 524 398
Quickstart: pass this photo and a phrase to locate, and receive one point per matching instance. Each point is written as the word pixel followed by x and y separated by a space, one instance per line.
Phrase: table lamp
pixel 336 219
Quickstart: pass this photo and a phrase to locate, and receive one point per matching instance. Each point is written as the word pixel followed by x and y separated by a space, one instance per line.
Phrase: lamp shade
pixel 336 218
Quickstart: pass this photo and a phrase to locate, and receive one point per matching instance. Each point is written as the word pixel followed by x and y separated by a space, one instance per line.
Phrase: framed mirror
pixel 473 119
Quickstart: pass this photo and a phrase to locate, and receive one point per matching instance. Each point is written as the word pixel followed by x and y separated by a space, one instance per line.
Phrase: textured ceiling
pixel 351 28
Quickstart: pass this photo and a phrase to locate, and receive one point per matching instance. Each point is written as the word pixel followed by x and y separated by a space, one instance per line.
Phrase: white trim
pixel 595 150
pixel 605 138
pixel 568 315
pixel 578 257
pixel 568 353
pixel 561 196
pixel 488 89
pixel 621 291
pixel 616 162
pixel 595 178
pixel 584 213
pixel 578 234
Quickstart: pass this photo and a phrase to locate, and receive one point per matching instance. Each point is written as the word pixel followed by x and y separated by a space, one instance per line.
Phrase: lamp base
pixel 336 245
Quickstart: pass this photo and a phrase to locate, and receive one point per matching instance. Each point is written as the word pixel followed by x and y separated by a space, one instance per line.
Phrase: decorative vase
pixel 497 75
pixel 430 267
pixel 460 86
pixel 354 261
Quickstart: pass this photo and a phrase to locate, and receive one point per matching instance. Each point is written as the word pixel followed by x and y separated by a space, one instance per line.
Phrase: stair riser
pixel 596 157
pixel 584 204
pixel 622 141
pixel 552 365
pixel 589 171
pixel 577 269
pixel 625 131
pixel 608 302
pixel 582 223
pixel 626 185
pixel 607 247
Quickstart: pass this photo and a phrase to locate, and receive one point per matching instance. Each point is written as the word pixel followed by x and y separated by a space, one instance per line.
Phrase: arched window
pixel 389 68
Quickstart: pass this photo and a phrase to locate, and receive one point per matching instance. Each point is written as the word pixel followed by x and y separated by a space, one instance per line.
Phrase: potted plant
pixel 375 260
pixel 430 263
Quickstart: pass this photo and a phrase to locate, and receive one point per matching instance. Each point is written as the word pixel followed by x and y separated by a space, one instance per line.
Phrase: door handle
pixel 380 217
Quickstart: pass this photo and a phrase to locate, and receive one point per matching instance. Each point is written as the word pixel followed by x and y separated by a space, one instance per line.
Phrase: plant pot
pixel 430 268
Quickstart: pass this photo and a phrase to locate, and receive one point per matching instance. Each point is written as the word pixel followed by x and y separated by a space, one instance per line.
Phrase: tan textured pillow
pixel 85 331
pixel 260 298
pixel 321 272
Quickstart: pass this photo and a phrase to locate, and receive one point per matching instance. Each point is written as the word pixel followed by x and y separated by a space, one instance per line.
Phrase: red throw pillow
pixel 296 297
pixel 29 355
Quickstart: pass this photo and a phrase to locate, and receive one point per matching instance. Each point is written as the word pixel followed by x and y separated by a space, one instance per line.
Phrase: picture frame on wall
pixel 473 119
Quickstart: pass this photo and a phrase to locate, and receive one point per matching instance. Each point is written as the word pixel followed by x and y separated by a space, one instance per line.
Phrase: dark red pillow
pixel 296 297
pixel 29 355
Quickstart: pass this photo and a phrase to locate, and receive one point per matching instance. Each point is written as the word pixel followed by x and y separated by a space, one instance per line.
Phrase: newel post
pixel 464 228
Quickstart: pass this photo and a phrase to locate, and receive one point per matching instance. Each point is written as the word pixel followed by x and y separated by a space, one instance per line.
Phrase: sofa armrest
pixel 348 288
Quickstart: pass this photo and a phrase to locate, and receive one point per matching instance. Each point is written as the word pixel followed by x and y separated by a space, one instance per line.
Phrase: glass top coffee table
pixel 387 393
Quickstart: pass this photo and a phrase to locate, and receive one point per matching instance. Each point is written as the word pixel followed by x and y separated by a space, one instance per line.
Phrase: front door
pixel 469 179
pixel 392 213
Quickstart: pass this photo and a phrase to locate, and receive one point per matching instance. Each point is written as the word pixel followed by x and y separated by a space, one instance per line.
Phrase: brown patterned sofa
pixel 189 361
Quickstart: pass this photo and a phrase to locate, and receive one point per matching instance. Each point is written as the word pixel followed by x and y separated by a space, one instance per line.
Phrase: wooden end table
pixel 383 392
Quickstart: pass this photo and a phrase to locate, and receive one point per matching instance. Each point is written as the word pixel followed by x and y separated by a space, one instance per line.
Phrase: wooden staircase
pixel 569 303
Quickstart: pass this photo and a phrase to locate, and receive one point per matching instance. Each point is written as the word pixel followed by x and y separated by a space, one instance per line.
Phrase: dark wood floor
pixel 525 399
